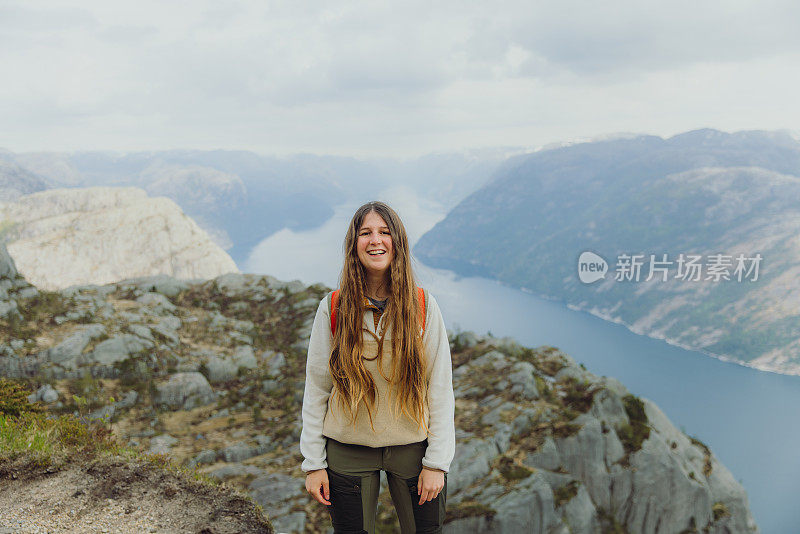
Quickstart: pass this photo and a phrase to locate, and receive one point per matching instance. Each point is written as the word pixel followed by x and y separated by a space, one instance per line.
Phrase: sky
pixel 397 79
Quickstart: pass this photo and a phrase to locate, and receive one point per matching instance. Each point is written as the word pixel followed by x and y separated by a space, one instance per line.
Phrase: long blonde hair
pixel 407 377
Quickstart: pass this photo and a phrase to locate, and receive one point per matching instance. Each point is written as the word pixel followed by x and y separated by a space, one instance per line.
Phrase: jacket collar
pixel 368 304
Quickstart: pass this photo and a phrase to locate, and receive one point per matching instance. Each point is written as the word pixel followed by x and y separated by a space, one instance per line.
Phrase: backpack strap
pixel 421 296
pixel 421 299
pixel 334 309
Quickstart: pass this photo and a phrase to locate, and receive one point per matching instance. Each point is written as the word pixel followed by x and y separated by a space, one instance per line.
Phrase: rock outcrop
pixel 64 237
pixel 575 453
pixel 212 374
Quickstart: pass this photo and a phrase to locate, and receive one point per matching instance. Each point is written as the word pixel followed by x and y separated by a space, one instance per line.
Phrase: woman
pixel 379 388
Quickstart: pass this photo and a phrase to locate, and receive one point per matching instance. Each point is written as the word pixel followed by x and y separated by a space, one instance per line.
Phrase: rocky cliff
pixel 212 372
pixel 64 237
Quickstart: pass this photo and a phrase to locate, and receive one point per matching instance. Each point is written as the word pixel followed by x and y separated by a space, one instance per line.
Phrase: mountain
pixel 240 197
pixel 16 181
pixel 206 193
pixel 61 237
pixel 211 373
pixel 706 193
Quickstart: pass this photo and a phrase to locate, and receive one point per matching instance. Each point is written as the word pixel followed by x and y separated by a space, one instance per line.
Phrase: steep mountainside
pixel 706 193
pixel 212 374
pixel 62 237
pixel 16 181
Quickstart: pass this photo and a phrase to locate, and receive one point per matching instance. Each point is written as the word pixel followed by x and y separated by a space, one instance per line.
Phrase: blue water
pixel 749 419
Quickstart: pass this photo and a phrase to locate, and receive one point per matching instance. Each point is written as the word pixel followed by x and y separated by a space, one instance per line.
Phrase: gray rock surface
pixel 117 349
pixel 71 348
pixel 470 464
pixel 238 452
pixel 277 493
pixel 244 356
pixel 671 484
pixel 184 391
pixel 220 369
pixel 157 302
pixel 275 362
pixel 234 470
pixel 207 456
pixel 45 394
pixel 161 444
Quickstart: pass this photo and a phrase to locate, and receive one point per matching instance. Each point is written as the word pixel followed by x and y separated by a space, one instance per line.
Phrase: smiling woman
pixel 379 387
pixel 375 252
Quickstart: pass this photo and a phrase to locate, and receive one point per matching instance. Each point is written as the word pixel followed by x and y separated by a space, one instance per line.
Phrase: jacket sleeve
pixel 441 401
pixel 317 391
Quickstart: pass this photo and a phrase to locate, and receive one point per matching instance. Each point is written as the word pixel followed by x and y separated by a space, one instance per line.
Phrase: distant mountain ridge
pixel 702 192
pixel 16 181
pixel 240 197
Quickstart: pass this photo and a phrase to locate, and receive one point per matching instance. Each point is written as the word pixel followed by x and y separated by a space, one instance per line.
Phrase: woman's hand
pixel 429 484
pixel 316 481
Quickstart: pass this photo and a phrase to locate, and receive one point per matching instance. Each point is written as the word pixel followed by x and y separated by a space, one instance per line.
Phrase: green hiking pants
pixel 354 482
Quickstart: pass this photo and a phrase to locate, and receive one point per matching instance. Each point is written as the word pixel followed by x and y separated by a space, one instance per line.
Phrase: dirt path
pixel 115 495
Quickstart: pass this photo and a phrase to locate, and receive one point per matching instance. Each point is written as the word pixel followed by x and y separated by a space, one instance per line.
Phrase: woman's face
pixel 374 245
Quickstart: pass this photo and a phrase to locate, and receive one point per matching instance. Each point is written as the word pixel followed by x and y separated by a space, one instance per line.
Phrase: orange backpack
pixel 335 308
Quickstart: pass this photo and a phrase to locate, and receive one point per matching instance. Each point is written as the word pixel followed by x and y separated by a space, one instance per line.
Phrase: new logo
pixel 591 267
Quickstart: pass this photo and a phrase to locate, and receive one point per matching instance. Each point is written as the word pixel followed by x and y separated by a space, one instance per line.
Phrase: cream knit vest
pixel 390 429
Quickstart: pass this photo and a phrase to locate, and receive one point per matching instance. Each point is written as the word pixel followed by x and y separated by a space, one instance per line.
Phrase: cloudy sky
pixel 388 78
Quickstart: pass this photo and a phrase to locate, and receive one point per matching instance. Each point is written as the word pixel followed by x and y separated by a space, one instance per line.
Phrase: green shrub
pixel 14 399
pixel 720 510
pixel 89 389
pixel 579 395
pixel 565 493
pixel 44 438
pixel 511 470
pixel 134 373
pixel 563 429
pixel 633 433
pixel 544 389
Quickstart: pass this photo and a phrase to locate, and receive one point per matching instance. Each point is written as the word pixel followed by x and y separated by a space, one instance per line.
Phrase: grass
pixel 720 510
pixel 32 439
pixel 579 395
pixel 40 309
pixel 633 433
pixel 29 435
pixel 51 441
pixel 468 508
pixel 707 468
pixel 512 470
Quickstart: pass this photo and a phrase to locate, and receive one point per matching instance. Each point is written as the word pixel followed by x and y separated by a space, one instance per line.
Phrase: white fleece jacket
pixel 319 385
